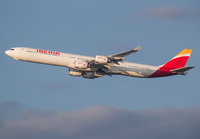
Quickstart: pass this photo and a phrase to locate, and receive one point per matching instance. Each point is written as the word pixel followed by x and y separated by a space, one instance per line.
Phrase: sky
pixel 42 101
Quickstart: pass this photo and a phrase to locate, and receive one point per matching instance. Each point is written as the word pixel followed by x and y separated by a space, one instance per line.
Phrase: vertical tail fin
pixel 175 65
pixel 179 60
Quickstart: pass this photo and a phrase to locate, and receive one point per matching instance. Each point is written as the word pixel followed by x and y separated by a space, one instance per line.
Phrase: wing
pixel 123 54
pixel 112 59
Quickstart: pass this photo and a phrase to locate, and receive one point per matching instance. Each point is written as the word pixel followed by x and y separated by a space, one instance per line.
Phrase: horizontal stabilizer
pixel 182 70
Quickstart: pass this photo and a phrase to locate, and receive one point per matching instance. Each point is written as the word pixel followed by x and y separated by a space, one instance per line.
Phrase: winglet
pixel 137 49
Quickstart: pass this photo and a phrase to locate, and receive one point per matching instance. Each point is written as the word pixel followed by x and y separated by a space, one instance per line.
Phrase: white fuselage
pixel 68 60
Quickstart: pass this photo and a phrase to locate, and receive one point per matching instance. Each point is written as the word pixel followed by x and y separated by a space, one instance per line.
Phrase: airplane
pixel 100 65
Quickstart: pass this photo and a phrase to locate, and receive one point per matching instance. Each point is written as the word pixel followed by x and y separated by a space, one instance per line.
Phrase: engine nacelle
pixel 101 59
pixel 89 75
pixel 81 64
pixel 74 72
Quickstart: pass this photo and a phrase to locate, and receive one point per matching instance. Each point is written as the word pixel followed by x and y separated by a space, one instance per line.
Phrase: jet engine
pixel 101 59
pixel 74 72
pixel 89 75
pixel 81 64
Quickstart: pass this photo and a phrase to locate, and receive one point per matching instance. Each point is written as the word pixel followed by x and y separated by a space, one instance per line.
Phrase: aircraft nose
pixel 6 52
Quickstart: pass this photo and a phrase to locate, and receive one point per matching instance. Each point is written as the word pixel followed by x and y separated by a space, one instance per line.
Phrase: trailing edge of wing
pixel 182 70
pixel 109 65
pixel 123 54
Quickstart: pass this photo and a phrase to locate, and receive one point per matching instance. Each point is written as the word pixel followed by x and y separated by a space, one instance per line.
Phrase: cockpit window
pixel 11 49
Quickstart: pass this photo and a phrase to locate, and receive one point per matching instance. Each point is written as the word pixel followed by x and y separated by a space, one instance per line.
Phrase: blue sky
pixel 91 27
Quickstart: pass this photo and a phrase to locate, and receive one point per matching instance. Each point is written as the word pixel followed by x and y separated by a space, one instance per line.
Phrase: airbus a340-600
pixel 100 65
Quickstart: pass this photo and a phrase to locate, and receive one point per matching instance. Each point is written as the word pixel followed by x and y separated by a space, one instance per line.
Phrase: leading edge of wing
pixel 123 54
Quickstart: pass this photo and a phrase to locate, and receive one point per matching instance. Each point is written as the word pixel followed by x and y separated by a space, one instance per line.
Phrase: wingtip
pixel 138 48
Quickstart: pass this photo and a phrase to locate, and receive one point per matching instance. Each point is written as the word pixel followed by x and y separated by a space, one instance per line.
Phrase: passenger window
pixel 11 49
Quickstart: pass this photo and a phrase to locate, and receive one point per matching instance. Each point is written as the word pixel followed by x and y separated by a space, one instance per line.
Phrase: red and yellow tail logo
pixel 179 60
pixel 176 62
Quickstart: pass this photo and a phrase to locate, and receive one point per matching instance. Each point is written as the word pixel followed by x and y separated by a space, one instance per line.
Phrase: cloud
pixel 9 108
pixel 104 122
pixel 168 12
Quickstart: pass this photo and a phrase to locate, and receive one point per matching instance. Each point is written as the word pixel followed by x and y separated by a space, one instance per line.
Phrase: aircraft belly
pixel 113 70
pixel 143 72
pixel 135 72
pixel 132 73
